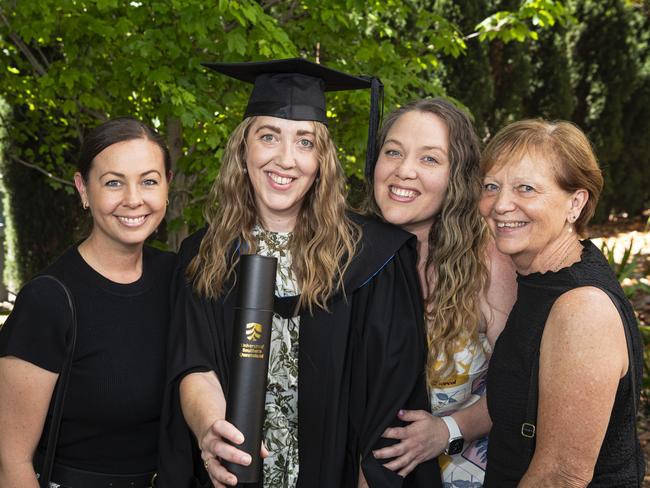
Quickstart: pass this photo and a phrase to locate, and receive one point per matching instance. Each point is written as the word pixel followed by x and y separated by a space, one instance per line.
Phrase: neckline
pixel 585 253
pixel 93 276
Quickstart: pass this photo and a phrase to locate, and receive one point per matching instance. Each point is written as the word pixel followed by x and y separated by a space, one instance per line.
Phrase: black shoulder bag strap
pixel 529 426
pixel 61 388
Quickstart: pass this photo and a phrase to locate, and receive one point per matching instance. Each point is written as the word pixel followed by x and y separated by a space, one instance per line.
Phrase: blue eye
pixel 306 143
pixel 150 182
pixel 113 183
pixel 392 153
pixel 490 187
pixel 526 188
pixel 268 138
pixel 429 160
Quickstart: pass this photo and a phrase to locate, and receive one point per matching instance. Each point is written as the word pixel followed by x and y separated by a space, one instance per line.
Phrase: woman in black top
pixel 109 429
pixel 564 378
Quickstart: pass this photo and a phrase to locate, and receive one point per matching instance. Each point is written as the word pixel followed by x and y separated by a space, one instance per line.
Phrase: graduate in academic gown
pixel 348 345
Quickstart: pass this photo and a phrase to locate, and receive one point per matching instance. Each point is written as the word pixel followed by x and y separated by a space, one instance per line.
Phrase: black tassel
pixel 376 114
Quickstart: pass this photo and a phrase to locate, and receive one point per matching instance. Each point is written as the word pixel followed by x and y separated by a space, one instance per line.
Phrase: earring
pixel 245 170
pixel 167 203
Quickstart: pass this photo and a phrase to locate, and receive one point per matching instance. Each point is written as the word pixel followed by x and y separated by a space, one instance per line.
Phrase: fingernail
pixel 400 413
pixel 246 459
pixel 240 439
pixel 374 453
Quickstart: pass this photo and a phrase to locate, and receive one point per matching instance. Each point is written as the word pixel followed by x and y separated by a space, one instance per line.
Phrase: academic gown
pixel 358 363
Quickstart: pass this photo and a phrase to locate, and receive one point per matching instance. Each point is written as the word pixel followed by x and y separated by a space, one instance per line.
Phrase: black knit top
pixel 112 406
pixel 620 461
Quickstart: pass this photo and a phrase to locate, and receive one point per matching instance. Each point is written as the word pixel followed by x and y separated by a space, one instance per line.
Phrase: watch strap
pixel 452 426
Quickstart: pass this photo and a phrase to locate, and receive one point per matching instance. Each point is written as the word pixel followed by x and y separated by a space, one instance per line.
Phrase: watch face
pixel 455 446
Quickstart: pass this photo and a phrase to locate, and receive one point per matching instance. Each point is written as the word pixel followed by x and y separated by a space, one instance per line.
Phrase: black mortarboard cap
pixel 295 89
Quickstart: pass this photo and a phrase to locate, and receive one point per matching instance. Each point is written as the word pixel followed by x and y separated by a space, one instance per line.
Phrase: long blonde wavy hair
pixel 323 241
pixel 455 269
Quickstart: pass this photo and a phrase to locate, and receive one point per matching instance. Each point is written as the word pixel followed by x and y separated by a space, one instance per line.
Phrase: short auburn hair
pixel 560 143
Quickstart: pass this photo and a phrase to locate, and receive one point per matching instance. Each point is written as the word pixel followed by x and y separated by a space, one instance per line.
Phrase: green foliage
pixel 604 69
pixel 625 269
pixel 516 25
pixel 67 65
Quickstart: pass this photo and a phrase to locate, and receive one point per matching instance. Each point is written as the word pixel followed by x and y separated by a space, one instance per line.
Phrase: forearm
pixel 17 475
pixel 202 401
pixel 551 477
pixel 474 421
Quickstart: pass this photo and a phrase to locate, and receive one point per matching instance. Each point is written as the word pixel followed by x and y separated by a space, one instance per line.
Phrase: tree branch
pixel 20 44
pixel 41 170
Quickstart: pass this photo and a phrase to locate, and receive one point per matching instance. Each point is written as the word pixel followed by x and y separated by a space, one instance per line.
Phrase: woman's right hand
pixel 217 445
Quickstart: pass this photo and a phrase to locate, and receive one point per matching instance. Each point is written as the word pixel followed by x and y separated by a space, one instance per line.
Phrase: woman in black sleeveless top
pixel 564 378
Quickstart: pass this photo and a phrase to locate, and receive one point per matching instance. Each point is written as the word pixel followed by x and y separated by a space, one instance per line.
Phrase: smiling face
pixel 126 191
pixel 412 172
pixel 527 211
pixel 282 164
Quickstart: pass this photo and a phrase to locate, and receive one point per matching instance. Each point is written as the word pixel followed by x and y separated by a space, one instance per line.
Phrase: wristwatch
pixel 456 441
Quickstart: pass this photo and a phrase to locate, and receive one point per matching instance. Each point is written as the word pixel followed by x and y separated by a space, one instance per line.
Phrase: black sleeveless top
pixel 620 461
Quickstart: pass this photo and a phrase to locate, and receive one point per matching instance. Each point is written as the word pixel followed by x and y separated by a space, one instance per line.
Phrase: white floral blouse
pixel 281 422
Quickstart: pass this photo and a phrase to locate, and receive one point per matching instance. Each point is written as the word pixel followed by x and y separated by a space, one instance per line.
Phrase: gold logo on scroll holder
pixel 253 331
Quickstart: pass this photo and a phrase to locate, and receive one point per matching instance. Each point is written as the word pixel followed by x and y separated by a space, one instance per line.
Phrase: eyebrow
pixel 434 148
pixel 272 128
pixel 423 148
pixel 122 175
pixel 277 130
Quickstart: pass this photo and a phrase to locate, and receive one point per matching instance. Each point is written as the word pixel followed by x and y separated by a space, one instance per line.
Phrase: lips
pixel 132 221
pixel 510 225
pixel 279 179
pixel 402 194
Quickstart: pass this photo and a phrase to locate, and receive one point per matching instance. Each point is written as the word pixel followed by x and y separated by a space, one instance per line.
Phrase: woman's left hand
pixel 424 438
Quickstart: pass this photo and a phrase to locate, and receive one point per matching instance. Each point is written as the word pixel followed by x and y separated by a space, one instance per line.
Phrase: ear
pixel 170 177
pixel 80 184
pixel 578 201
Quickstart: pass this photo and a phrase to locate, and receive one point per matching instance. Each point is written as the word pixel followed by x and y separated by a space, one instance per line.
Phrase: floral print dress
pixel 281 421
pixel 466 386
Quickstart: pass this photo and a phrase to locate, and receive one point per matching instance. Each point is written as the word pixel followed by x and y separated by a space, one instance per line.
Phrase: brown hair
pixel 323 242
pixel 455 267
pixel 560 143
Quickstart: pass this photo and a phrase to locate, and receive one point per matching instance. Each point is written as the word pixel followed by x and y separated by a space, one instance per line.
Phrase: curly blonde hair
pixel 455 268
pixel 323 241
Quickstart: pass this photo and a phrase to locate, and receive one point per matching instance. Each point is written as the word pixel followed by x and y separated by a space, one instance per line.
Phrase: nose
pixel 504 202
pixel 286 158
pixel 133 196
pixel 406 169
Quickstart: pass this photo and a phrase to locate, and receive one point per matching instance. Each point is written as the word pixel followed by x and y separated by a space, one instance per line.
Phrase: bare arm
pixel 25 394
pixel 583 356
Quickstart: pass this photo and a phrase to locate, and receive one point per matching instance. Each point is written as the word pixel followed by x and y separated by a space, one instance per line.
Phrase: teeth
pixel 280 180
pixel 132 221
pixel 510 225
pixel 401 192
